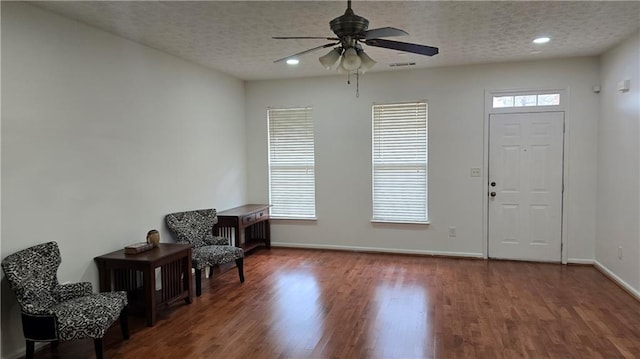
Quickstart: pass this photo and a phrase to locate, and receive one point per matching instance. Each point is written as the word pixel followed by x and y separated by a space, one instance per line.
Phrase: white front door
pixel 525 186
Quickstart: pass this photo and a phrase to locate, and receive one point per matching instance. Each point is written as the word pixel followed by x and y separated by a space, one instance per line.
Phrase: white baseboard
pixel 608 273
pixel 579 261
pixel 375 249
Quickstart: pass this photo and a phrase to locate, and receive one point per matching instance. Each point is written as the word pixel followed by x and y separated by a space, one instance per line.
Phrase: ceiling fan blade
pixel 384 32
pixel 307 51
pixel 304 37
pixel 403 46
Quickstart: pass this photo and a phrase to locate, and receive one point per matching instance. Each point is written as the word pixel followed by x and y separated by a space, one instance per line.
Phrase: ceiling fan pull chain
pixel 348 77
pixel 357 84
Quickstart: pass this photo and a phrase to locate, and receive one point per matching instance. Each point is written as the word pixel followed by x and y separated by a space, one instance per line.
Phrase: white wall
pixel 456 115
pixel 102 137
pixel 619 165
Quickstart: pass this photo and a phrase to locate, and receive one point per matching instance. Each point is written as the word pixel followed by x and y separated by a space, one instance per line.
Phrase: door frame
pixel 488 111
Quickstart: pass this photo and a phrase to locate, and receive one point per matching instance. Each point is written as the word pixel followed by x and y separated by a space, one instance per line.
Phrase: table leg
pixel 267 234
pixel 239 235
pixel 104 274
pixel 149 278
pixel 186 273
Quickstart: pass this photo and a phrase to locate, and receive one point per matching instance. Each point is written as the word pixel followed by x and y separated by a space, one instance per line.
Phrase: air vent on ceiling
pixel 400 64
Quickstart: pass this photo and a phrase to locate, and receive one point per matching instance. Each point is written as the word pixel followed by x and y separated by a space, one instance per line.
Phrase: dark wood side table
pixel 136 274
pixel 251 224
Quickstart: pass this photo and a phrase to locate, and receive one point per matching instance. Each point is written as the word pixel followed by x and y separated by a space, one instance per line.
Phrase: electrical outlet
pixel 475 172
pixel 619 252
pixel 452 231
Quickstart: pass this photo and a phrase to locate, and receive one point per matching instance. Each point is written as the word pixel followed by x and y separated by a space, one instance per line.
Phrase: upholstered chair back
pixel 193 227
pixel 32 275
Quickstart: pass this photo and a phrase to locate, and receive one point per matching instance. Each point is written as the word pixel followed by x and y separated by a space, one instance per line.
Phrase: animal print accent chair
pixel 52 311
pixel 196 228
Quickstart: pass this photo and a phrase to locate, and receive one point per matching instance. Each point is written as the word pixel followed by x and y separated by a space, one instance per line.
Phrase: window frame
pixel 306 166
pixel 380 218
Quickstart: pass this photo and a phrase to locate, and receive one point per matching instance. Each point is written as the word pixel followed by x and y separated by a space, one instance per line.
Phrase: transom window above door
pixel 526 100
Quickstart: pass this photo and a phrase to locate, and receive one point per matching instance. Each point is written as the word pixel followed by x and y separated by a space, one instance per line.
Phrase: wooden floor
pixel 326 304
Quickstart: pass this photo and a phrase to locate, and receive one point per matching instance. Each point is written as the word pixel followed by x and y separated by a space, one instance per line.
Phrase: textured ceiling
pixel 235 36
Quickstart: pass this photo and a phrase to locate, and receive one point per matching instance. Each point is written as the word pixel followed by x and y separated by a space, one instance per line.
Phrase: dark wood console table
pixel 136 274
pixel 251 224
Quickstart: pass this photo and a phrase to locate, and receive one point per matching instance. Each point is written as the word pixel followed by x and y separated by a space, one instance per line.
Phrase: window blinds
pixel 291 163
pixel 399 162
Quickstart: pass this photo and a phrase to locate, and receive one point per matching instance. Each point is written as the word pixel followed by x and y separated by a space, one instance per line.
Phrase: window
pixel 292 192
pixel 542 99
pixel 399 162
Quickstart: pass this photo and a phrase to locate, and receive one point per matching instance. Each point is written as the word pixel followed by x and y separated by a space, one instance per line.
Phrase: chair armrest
pixel 73 290
pixel 36 309
pixel 217 241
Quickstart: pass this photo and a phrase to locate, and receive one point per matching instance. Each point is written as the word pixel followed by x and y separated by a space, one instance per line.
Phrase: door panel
pixel 525 162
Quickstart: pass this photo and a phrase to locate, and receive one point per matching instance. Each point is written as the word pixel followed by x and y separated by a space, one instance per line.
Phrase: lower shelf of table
pixel 253 245
pixel 132 282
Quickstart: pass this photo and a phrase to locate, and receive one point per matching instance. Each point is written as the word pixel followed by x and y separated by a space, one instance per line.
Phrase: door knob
pixel 492 194
pixel 493 184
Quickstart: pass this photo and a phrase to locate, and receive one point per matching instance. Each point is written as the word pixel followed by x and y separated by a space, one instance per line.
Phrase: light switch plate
pixel 475 172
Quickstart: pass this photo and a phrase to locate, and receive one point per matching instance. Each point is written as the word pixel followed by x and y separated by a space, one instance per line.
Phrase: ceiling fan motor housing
pixel 350 25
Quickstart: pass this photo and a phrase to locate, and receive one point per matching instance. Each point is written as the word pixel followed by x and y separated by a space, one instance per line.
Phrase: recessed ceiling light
pixel 292 62
pixel 541 40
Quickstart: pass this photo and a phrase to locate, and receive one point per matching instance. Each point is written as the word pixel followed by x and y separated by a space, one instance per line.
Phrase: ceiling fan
pixel 351 32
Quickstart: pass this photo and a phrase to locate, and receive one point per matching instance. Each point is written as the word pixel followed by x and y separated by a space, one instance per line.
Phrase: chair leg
pixel 30 349
pixel 124 322
pixel 97 343
pixel 240 265
pixel 210 271
pixel 198 282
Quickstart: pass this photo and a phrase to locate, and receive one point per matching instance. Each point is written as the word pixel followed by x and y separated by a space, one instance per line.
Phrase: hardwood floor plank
pixel 299 304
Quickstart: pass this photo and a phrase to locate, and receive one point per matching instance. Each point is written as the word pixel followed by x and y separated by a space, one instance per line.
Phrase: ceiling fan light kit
pixel 367 62
pixel 351 32
pixel 330 58
pixel 350 59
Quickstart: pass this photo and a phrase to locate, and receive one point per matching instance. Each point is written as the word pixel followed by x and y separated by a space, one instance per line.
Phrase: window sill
pixel 294 218
pixel 398 222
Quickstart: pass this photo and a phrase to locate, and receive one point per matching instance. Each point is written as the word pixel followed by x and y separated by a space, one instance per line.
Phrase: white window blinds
pixel 291 163
pixel 399 157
